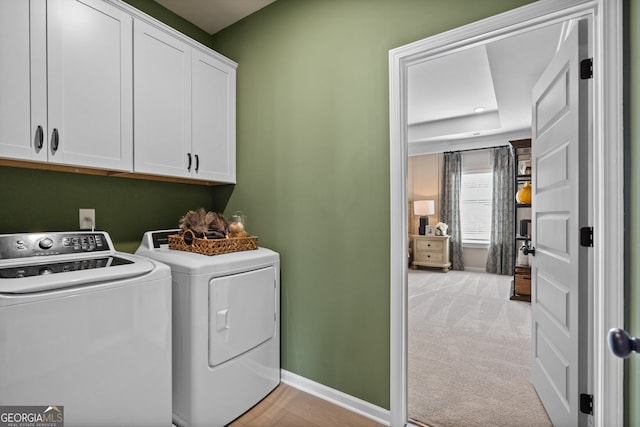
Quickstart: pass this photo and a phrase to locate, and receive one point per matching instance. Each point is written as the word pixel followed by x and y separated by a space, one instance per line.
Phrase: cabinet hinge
pixel 586 68
pixel 586 237
pixel 586 404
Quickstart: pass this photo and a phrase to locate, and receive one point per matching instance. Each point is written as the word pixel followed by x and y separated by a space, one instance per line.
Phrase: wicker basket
pixel 189 243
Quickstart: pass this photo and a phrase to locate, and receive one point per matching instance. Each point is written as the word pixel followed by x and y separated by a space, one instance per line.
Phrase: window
pixel 475 206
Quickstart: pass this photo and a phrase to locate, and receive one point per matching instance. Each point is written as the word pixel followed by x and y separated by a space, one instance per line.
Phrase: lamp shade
pixel 424 207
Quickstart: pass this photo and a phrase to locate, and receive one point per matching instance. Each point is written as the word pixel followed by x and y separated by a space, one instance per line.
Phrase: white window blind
pixel 475 206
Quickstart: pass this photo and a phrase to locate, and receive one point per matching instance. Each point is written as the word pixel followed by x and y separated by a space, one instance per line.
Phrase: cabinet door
pixel 90 84
pixel 213 118
pixel 162 103
pixel 22 79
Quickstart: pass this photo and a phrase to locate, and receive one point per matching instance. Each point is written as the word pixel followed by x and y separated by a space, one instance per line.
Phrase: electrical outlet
pixel 87 219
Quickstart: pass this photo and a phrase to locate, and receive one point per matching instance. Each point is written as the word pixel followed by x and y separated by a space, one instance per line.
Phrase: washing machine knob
pixel 46 243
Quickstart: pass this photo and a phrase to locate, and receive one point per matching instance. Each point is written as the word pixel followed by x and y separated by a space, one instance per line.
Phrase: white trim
pixel 476 245
pixel 398 172
pixel 608 178
pixel 476 270
pixel 607 155
pixel 138 14
pixel 418 148
pixel 336 397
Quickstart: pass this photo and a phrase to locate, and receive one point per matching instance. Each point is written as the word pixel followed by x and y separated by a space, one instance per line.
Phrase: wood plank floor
pixel 287 406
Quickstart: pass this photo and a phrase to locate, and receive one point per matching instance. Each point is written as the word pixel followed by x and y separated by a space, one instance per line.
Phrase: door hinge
pixel 586 237
pixel 586 404
pixel 586 68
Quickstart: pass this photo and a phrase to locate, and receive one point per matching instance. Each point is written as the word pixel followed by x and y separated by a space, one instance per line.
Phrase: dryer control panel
pixel 13 246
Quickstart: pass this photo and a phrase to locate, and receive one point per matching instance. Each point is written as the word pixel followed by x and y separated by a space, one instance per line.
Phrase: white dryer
pixel 226 330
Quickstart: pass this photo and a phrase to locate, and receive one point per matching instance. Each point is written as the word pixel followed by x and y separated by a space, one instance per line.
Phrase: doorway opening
pixel 469 310
pixel 468 340
pixel 607 189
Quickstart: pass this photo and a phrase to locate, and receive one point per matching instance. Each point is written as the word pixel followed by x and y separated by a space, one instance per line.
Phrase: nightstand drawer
pixel 429 245
pixel 426 256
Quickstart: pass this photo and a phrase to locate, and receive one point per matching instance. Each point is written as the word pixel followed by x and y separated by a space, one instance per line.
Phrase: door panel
pixel 15 128
pixel 553 230
pixel 23 79
pixel 556 366
pixel 555 163
pixel 559 282
pixel 553 297
pixel 162 102
pixel 90 84
pixel 554 102
pixel 213 118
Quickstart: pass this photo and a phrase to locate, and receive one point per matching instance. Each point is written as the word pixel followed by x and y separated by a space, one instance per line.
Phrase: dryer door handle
pixel 222 319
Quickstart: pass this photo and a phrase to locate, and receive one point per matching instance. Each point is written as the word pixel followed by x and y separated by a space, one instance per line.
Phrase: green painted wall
pixel 313 168
pixel 34 200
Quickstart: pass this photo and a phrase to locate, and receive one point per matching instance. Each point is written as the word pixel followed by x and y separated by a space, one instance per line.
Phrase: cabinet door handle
pixel 197 162
pixel 189 162
pixel 55 140
pixel 39 138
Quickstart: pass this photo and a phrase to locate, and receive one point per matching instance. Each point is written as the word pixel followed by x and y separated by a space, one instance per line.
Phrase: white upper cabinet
pixel 99 84
pixel 213 117
pixel 90 84
pixel 74 94
pixel 184 108
pixel 23 79
pixel 162 102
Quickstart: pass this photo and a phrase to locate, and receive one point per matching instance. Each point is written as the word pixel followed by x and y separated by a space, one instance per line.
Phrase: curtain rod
pixel 476 149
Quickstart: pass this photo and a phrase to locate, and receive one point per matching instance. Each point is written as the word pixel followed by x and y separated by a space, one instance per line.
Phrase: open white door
pixel 559 303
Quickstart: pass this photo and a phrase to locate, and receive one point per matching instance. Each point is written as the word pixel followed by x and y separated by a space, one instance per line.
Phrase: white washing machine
pixel 226 330
pixel 85 329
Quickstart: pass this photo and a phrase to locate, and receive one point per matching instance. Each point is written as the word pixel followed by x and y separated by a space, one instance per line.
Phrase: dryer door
pixel 242 311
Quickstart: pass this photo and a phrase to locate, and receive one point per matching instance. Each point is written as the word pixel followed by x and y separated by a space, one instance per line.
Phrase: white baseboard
pixel 475 269
pixel 336 397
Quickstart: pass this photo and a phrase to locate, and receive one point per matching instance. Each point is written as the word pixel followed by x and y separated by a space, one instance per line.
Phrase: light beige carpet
pixel 469 352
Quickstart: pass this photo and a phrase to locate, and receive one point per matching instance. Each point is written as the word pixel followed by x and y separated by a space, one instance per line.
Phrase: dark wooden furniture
pixel 521 284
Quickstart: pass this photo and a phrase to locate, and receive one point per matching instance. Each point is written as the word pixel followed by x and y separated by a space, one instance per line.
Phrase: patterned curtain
pixel 500 259
pixel 450 205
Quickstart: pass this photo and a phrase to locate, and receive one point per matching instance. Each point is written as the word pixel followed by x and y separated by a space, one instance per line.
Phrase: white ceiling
pixel 498 76
pixel 214 15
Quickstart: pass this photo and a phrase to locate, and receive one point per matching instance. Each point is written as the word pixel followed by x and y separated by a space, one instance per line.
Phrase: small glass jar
pixel 238 217
pixel 237 225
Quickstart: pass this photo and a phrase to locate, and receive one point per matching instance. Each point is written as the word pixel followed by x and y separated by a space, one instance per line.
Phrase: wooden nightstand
pixel 431 251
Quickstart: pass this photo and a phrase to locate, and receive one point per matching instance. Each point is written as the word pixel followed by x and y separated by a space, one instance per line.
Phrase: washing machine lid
pixel 48 276
pixel 37 262
pixel 155 246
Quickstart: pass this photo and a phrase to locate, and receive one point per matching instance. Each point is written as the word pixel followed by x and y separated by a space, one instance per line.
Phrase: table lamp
pixel 422 208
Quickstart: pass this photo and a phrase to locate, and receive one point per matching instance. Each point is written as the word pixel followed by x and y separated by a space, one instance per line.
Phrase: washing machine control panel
pixel 13 246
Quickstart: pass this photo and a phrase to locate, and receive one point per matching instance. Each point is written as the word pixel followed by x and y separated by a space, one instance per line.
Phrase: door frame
pixel 606 169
